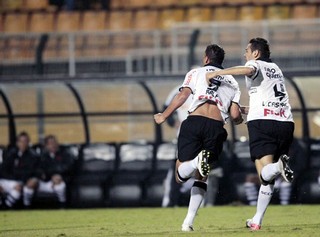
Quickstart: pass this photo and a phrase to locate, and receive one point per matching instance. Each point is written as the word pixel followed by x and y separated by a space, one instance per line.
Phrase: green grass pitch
pixel 222 221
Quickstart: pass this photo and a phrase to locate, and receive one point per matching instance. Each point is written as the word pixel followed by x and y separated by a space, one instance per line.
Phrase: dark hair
pixel 262 46
pixel 49 137
pixel 23 134
pixel 215 53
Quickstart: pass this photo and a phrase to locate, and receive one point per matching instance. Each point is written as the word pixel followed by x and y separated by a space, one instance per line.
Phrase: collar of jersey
pixel 265 59
pixel 214 65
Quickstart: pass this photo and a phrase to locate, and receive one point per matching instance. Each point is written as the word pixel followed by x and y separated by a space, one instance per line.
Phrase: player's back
pixel 211 100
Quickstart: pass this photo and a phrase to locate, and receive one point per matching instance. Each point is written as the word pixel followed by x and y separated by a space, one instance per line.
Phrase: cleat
pixel 187 228
pixel 248 223
pixel 286 172
pixel 252 226
pixel 203 163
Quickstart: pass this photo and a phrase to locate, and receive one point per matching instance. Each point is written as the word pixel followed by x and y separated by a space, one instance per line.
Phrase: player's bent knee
pixel 265 182
pixel 179 179
pixel 198 176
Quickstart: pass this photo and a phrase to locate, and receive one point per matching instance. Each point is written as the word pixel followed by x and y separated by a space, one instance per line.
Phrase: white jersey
pixel 222 91
pixel 268 95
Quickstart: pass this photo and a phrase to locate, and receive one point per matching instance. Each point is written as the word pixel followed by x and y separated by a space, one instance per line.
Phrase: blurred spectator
pixel 79 4
pixel 58 3
pixel 56 166
pixel 19 171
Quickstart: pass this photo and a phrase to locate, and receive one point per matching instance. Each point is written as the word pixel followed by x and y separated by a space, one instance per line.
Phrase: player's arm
pixel 234 71
pixel 235 113
pixel 177 101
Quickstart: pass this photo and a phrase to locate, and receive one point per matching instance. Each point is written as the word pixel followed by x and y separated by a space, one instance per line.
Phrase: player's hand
pixel 244 109
pixel 159 118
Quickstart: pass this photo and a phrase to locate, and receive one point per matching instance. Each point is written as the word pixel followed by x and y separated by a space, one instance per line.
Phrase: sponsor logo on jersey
pixel 272 73
pixel 210 97
pixel 211 91
pixel 273 104
pixel 190 77
pixel 272 112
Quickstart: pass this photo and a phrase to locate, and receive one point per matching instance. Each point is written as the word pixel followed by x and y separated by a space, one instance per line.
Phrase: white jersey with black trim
pixel 223 90
pixel 267 91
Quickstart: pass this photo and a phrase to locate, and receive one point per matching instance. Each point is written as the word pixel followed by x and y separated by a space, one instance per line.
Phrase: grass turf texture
pixel 295 220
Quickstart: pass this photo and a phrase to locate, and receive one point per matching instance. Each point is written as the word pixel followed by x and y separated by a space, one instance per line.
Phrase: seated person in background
pixel 19 171
pixel 56 166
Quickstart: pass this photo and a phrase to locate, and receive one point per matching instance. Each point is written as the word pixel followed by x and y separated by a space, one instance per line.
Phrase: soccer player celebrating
pixel 202 134
pixel 270 123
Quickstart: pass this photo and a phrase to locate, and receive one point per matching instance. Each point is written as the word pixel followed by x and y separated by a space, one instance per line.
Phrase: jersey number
pixel 214 84
pixel 279 92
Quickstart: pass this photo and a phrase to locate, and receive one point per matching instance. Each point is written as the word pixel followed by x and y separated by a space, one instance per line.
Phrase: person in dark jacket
pixel 20 170
pixel 56 166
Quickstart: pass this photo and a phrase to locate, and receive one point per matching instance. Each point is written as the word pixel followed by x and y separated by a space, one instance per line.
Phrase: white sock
pixel 285 193
pixel 270 171
pixel 12 197
pixel 187 168
pixel 27 195
pixel 197 195
pixel 251 193
pixel 265 195
pixel 60 190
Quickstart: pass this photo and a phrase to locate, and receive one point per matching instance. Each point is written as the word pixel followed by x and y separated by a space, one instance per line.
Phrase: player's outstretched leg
pixel 203 163
pixel 286 172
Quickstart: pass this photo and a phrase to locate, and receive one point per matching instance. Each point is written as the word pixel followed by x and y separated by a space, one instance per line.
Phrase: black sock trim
pixel 182 179
pixel 200 185
pixel 265 183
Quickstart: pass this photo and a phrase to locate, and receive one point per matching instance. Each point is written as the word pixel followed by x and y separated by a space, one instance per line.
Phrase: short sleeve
pixel 236 98
pixel 190 81
pixel 237 92
pixel 254 65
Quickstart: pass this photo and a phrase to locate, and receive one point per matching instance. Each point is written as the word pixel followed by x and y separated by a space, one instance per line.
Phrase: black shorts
pixel 269 137
pixel 199 133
